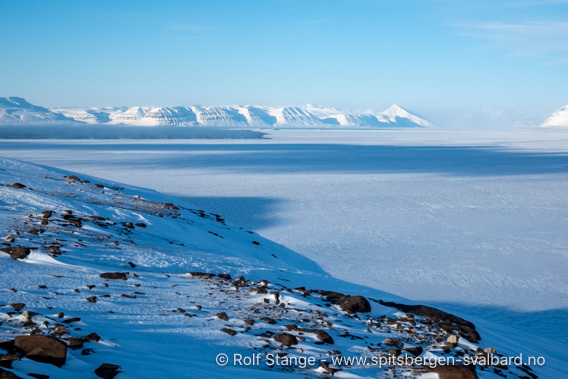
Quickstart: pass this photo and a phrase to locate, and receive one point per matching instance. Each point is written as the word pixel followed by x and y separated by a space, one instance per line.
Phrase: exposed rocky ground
pixel 99 280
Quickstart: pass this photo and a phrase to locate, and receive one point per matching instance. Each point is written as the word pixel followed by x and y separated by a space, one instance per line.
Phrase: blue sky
pixel 431 56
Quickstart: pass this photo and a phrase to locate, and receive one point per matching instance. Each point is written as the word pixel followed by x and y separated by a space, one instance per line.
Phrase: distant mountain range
pixel 16 110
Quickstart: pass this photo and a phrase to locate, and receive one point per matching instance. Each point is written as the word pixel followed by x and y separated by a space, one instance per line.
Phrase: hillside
pixel 128 281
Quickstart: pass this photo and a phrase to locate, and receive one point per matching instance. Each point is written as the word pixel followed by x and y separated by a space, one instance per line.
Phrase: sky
pixel 441 59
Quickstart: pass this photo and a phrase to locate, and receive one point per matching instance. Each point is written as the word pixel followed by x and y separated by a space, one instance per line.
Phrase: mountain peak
pixel 558 119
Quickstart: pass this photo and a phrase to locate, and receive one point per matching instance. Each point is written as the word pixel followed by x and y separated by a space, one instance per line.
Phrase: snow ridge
pixel 558 118
pixel 18 110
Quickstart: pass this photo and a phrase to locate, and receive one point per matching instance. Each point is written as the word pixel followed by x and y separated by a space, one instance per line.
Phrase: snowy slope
pixel 308 116
pixel 15 110
pixel 166 287
pixel 558 118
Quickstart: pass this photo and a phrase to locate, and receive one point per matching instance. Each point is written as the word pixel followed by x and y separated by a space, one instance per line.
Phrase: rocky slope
pixel 101 279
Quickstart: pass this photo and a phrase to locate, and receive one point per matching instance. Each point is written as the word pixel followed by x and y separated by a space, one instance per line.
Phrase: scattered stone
pixel 131 264
pixel 16 252
pixel 324 337
pixel 449 322
pixel 223 316
pixel 17 306
pixel 230 332
pixel 8 375
pixel 286 339
pixel 393 342
pixel 255 243
pixel 454 372
pixel 17 185
pixel 452 340
pixel 268 320
pixel 205 275
pixel 10 238
pixel 92 299
pixel 71 320
pixel 92 337
pixel 140 224
pixel 60 315
pixel 353 304
pixel 329 370
pixel 416 351
pixel 42 349
pixel 107 371
pixel 224 276
pixel 249 322
pixel 113 275
pixel 75 343
pixel 47 214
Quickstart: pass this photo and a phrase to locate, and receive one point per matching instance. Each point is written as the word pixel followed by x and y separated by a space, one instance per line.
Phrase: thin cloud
pixel 542 39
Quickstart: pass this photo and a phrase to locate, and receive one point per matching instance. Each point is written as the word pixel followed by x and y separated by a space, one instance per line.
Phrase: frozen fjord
pixel 476 219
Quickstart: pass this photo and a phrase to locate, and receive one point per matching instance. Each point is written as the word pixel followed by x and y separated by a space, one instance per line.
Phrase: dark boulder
pixel 42 349
pixel 353 304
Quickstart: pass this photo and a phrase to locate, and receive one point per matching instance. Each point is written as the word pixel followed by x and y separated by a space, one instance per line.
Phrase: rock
pixel 128 225
pixel 34 231
pixel 330 295
pixel 230 332
pixel 8 375
pixel 223 316
pixel 449 322
pixel 205 275
pixel 329 370
pixel 353 304
pixel 261 291
pixel 92 337
pixel 17 306
pixel 71 320
pixel 268 320
pixel 140 224
pixel 249 322
pixel 286 339
pixel 17 185
pixel 394 351
pixel 16 252
pixel 73 178
pixel 47 214
pixel 454 372
pixel 393 342
pixel 416 351
pixel 491 350
pixel 452 340
pixel 324 337
pixel 75 343
pixel 27 316
pixel 107 371
pixel 224 276
pixel 42 349
pixel 92 299
pixel 10 238
pixel 113 275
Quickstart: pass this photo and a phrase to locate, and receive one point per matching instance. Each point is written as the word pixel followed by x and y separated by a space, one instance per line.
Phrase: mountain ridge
pixel 15 110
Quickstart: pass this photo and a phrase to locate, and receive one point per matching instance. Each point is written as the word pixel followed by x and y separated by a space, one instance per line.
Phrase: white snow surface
pixel 473 222
pixel 19 111
pixel 558 119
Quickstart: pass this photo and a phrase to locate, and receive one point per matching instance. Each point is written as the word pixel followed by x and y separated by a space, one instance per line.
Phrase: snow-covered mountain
pixel 16 110
pixel 20 111
pixel 558 118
